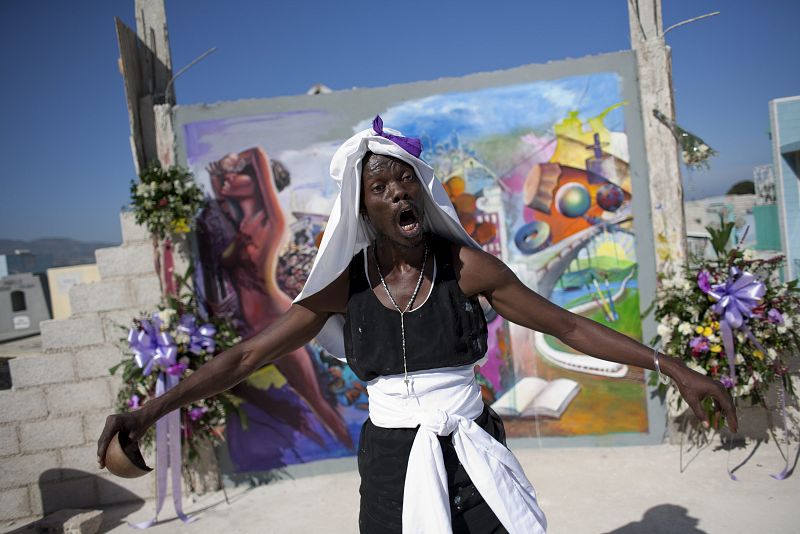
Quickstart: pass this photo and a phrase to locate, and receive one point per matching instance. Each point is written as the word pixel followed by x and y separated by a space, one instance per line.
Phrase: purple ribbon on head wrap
pixel 736 298
pixel 154 348
pixel 412 145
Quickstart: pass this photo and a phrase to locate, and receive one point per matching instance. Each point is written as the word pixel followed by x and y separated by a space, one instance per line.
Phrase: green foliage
pixel 166 200
pixel 720 237
pixel 745 187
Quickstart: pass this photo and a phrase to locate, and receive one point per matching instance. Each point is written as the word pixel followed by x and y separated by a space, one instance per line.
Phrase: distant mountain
pixel 56 251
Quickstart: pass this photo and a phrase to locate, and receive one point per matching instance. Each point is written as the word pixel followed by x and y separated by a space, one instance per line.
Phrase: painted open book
pixel 533 396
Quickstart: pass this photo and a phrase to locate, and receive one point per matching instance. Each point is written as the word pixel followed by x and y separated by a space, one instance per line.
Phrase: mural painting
pixel 539 176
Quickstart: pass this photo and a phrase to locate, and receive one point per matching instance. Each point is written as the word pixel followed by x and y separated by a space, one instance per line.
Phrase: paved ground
pixel 619 490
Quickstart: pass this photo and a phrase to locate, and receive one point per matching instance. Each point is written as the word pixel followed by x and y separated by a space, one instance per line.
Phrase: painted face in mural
pixel 237 186
pixel 391 197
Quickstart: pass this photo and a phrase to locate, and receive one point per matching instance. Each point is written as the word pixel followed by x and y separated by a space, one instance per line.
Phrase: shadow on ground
pixel 74 489
pixel 662 519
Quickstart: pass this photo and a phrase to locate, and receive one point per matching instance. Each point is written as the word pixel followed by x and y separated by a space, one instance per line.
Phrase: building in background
pixel 765 211
pixel 24 296
pixel 784 114
pixel 61 279
pixel 755 216
pixel 764 183
pixel 22 305
pixel 712 211
pixel 24 261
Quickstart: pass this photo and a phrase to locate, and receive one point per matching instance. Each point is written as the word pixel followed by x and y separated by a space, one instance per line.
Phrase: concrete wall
pixel 51 418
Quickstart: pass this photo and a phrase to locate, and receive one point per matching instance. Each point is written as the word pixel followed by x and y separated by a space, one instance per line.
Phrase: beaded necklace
pixel 408 305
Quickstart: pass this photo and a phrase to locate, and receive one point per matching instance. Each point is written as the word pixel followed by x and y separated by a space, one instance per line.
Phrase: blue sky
pixel 64 129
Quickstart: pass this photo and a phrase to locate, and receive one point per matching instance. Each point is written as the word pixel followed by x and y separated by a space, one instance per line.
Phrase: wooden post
pixel 655 87
pixel 147 70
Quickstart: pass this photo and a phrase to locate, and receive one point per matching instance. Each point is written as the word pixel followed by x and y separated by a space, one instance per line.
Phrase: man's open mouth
pixel 408 221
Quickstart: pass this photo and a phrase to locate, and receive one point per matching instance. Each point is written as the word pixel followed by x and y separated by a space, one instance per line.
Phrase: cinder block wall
pixel 51 418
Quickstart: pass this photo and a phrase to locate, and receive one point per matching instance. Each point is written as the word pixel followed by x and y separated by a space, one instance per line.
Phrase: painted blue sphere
pixel 573 200
pixel 610 197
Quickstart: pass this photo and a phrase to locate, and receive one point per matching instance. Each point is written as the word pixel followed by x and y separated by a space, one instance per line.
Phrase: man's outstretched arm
pixel 483 273
pixel 293 330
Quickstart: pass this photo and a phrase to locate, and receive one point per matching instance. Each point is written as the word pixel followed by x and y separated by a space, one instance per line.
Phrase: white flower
pixel 749 254
pixel 740 337
pixel 739 358
pixel 674 320
pixel 772 353
pixel 166 316
pixel 694 367
pixel 781 329
pixel 756 376
pixel 741 391
pixel 182 338
pixel 666 283
pixel 713 339
pixel 713 362
pixel 685 329
pixel 787 321
pixel 665 332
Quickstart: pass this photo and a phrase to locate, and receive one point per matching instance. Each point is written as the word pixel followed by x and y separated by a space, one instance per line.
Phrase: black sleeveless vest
pixel 448 330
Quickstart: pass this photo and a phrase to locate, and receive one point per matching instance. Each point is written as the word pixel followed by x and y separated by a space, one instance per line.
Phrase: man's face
pixel 391 195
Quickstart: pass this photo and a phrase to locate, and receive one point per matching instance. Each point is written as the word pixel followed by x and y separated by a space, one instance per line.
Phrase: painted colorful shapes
pixel 610 197
pixel 454 187
pixel 485 233
pixel 465 203
pixel 573 200
pixel 533 237
pixel 540 182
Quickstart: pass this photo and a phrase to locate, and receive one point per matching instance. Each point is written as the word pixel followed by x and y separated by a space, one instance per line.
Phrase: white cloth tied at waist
pixel 442 402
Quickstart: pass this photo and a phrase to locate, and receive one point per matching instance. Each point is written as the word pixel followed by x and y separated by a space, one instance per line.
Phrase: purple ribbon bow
pixel 154 348
pixel 151 346
pixel 736 298
pixel 200 338
pixel 412 145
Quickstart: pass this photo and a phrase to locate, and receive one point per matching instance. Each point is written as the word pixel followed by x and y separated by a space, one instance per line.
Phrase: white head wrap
pixel 347 233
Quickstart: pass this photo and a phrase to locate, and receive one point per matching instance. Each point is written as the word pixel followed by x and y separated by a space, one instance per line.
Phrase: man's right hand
pixel 132 423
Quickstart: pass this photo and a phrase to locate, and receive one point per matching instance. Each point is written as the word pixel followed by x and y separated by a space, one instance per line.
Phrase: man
pixel 395 262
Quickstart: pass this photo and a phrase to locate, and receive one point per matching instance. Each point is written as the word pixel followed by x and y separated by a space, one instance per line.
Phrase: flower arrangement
pixel 166 200
pixel 694 151
pixel 732 319
pixel 169 345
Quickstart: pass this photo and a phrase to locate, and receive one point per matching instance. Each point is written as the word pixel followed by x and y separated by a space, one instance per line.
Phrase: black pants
pixel 382 463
